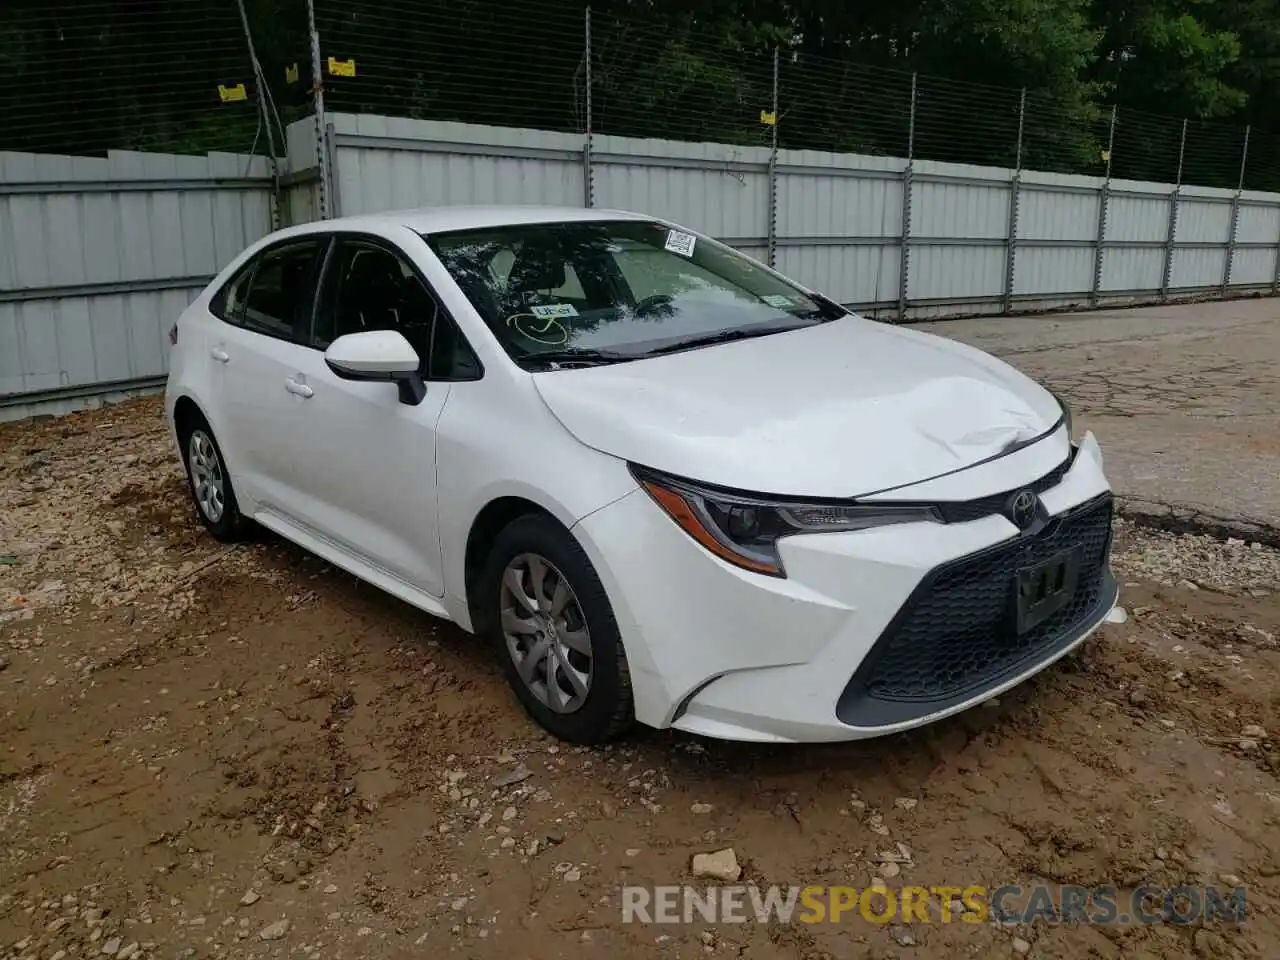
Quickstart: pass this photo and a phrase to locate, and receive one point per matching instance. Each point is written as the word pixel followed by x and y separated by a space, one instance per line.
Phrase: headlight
pixel 1066 415
pixel 744 530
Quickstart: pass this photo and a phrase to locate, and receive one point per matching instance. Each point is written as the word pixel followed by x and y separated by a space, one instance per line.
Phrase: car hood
pixel 841 409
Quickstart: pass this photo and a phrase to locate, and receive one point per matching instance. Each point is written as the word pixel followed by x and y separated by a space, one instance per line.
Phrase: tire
pixel 572 632
pixel 206 474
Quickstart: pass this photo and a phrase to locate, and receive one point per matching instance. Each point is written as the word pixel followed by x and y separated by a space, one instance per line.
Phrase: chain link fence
pixel 85 76
pixel 186 76
pixel 628 71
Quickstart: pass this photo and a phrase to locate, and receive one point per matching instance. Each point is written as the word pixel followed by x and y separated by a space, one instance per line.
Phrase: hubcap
pixel 207 477
pixel 546 633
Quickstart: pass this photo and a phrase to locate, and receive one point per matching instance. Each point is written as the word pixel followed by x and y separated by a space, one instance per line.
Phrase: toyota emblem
pixel 1022 508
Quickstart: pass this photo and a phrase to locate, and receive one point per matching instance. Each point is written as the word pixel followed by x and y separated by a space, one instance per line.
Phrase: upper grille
pixel 957 633
pixel 961 512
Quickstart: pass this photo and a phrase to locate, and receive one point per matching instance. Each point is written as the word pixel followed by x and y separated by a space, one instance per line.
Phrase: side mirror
pixel 381 356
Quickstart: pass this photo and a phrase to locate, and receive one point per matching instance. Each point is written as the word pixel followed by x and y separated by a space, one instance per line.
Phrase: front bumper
pixel 871 632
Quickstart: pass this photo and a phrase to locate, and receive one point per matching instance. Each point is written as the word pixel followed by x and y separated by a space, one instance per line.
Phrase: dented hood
pixel 841 409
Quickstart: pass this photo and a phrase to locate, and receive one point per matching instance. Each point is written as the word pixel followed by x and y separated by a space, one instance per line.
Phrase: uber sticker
pixel 777 300
pixel 554 311
pixel 681 243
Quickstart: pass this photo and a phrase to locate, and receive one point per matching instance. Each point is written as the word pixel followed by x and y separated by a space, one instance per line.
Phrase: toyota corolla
pixel 668 484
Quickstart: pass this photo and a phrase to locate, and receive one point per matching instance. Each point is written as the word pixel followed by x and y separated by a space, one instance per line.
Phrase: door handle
pixel 298 389
pixel 220 355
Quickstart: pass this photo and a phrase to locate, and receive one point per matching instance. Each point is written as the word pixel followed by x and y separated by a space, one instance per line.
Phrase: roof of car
pixel 440 219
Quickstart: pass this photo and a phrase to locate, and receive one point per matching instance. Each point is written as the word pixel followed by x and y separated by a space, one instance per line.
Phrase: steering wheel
pixel 652 303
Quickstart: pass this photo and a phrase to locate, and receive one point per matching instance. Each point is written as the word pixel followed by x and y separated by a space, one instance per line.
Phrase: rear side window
pixel 273 294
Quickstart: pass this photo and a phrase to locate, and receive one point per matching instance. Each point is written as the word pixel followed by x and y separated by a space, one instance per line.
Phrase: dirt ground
pixel 213 752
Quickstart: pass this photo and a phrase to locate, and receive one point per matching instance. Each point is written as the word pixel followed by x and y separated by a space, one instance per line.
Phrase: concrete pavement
pixel 1185 399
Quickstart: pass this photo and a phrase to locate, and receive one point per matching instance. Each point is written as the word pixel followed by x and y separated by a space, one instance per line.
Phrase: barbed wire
pixel 84 76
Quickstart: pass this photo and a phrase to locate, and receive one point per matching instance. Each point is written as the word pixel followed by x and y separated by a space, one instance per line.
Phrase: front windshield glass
pixel 616 290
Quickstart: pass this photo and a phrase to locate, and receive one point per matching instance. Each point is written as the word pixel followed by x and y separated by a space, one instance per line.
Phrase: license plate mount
pixel 1046 587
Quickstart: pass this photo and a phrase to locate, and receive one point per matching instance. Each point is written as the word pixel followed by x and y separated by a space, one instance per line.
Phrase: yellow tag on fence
pixel 291 73
pixel 768 117
pixel 232 94
pixel 342 68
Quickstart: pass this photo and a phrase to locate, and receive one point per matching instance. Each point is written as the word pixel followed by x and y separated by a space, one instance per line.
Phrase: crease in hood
pixel 836 410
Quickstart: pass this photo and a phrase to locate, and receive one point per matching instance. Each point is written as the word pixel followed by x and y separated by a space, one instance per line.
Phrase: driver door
pixel 366 479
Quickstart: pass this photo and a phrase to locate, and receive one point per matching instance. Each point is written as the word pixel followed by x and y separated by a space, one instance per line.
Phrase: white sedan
pixel 669 484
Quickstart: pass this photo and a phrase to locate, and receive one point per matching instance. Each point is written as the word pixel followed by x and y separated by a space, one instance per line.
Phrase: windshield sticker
pixel 779 301
pixel 546 330
pixel 554 311
pixel 680 242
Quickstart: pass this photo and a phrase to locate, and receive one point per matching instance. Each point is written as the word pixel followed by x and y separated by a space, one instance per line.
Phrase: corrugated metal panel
pixel 959 210
pixel 1253 267
pixel 1198 267
pixel 1051 215
pixel 718 202
pixel 1053 270
pixel 813 204
pixel 78 341
pixel 846 273
pixel 831 212
pixel 1132 268
pixel 1258 224
pixel 1138 218
pixel 418 163
pixel 80 235
pixel 1202 221
pixel 956 271
pixel 372 180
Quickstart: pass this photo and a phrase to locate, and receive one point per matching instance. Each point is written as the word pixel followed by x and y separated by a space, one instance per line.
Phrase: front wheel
pixel 559 643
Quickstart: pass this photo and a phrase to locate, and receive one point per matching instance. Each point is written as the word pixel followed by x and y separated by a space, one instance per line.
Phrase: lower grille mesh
pixel 958 631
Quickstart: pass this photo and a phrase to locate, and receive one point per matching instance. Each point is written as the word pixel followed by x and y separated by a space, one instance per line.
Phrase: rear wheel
pixel 555 631
pixel 210 484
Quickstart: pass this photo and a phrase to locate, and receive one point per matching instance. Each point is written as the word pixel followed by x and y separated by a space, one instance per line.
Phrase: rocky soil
pixel 240 752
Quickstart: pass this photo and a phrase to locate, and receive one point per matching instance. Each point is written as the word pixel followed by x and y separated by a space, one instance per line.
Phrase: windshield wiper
pixel 581 355
pixel 724 336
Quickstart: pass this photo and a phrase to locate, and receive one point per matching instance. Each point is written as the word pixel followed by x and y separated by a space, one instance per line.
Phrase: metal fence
pixel 901 194
pixel 625 69
pixel 139 149
pixel 896 237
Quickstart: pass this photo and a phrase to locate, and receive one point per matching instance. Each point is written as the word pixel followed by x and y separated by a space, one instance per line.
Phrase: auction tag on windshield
pixel 681 243
pixel 554 311
pixel 779 301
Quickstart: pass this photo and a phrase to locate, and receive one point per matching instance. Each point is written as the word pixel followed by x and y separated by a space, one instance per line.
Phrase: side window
pixel 271 294
pixel 451 356
pixel 228 303
pixel 281 288
pixel 367 287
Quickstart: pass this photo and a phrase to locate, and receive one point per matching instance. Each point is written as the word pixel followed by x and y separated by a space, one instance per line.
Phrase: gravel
pixel 1197 562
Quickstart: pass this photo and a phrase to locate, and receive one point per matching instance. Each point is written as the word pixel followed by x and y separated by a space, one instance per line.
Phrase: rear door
pixel 254 356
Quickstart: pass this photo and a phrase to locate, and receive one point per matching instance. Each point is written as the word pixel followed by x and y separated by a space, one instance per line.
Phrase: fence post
pixel 1175 198
pixel 1015 197
pixel 1104 200
pixel 1235 214
pixel 317 95
pixel 1275 275
pixel 908 172
pixel 773 168
pixel 588 175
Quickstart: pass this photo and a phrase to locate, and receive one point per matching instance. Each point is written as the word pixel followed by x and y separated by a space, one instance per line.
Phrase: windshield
pixel 606 291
